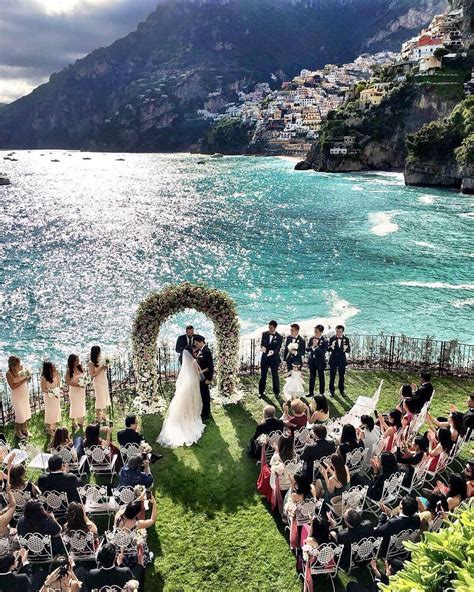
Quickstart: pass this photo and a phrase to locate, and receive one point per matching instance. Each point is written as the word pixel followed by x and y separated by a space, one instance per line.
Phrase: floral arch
pixel 156 309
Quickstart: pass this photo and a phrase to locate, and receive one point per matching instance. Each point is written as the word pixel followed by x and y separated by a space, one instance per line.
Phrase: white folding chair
pixel 101 461
pixel 96 501
pixel 55 502
pixel 272 442
pixel 123 538
pixel 5 545
pixel 21 497
pixel 418 478
pixel 302 437
pixel 129 450
pixel 355 460
pixel 307 510
pixel 38 546
pixel 325 460
pixel 113 588
pixel 80 545
pixel 123 495
pixel 352 499
pixel 364 551
pixel 69 458
pixel 390 493
pixel 396 548
pixel 442 465
pixel 436 523
pixel 324 560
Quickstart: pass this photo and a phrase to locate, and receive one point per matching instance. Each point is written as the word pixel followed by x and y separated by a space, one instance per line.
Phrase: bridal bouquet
pixel 26 373
pixel 262 440
pixel 106 361
pixel 84 381
pixel 54 393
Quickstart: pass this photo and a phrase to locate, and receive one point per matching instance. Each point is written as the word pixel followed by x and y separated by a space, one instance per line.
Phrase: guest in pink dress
pixel 50 387
pixel 77 393
pixel 19 396
pixel 98 373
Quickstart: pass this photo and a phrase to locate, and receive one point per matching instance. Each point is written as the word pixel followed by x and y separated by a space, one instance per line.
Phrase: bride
pixel 183 425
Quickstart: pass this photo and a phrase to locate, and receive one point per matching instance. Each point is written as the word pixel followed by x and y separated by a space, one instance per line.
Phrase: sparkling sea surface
pixel 83 241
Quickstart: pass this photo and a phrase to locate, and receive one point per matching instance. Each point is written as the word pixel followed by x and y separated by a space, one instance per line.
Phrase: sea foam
pixel 438 285
pixel 382 223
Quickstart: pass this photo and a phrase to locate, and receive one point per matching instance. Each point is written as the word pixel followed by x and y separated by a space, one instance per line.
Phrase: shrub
pixel 442 561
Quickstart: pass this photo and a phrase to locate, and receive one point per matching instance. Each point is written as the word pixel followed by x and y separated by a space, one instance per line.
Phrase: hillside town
pixel 286 121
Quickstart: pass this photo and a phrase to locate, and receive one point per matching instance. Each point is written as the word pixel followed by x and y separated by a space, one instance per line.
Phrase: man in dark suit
pixel 183 341
pixel 296 357
pixel 15 572
pixel 317 348
pixel 109 571
pixel 354 530
pixel 339 346
pixel 206 363
pixel 408 519
pixel 322 447
pixel 270 346
pixel 423 393
pixel 130 435
pixel 58 480
pixel 267 426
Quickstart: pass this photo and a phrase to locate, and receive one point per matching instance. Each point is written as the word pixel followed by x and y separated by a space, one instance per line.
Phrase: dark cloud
pixel 37 39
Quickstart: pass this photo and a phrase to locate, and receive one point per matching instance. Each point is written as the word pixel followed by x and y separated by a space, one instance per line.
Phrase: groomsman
pixel 270 346
pixel 317 348
pixel 294 337
pixel 206 363
pixel 339 346
pixel 184 341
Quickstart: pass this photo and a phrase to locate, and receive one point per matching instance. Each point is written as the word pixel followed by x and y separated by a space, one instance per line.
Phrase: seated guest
pixel 353 530
pixel 391 429
pixel 130 435
pixel 15 572
pixel 282 454
pixel 300 488
pixel 336 478
pixel 439 443
pixel 77 519
pixel 349 440
pixel 296 416
pixel 469 476
pixel 429 511
pixel 131 474
pixel 368 433
pixel 318 534
pixel 61 577
pixel 383 467
pixel 409 458
pixel 322 447
pixel 320 412
pixel 127 518
pixel 392 566
pixel 454 493
pixel 267 426
pixel 7 513
pixel 408 519
pixel 36 519
pixel 61 439
pixel 59 480
pixel 423 393
pixel 408 410
pixel 469 414
pixel 454 423
pixel 109 570
pixel 18 482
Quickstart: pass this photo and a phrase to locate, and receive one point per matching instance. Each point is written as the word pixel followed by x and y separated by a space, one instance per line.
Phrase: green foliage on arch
pixel 156 309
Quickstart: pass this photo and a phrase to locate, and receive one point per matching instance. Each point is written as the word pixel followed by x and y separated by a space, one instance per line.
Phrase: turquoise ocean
pixel 83 241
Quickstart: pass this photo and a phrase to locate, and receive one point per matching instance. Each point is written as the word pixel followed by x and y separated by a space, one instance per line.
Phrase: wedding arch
pixel 157 308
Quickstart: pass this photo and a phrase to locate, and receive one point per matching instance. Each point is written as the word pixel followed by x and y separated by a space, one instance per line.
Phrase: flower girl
pixel 294 386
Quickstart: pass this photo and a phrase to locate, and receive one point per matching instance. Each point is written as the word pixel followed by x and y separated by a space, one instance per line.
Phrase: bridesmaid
pixel 50 379
pixel 77 393
pixel 20 396
pixel 98 372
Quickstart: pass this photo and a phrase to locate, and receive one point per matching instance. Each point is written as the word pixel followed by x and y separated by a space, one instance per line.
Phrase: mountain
pixel 144 91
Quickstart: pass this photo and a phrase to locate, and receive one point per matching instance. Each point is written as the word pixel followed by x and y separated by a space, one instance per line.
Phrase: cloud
pixel 39 37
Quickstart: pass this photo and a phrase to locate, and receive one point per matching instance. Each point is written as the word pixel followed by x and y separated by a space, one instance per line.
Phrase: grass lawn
pixel 213 531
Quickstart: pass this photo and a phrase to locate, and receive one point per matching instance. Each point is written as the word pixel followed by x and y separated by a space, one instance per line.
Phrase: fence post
pixel 441 358
pixel 391 352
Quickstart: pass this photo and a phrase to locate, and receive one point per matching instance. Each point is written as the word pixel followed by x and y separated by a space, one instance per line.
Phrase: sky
pixel 39 37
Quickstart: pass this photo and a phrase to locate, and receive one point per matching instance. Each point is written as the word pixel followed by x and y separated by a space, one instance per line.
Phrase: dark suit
pixel 298 357
pixel 129 436
pixel 422 395
pixel 265 427
pixel 338 361
pixel 317 362
pixel 270 343
pixel 66 482
pixel 204 359
pixel 17 581
pixel 347 536
pixel 390 526
pixel 117 576
pixel 182 342
pixel 312 452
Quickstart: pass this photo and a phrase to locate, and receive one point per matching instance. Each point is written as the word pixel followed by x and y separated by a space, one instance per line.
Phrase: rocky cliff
pixel 149 91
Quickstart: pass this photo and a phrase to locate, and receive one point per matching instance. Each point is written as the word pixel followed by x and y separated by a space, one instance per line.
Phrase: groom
pixel 206 363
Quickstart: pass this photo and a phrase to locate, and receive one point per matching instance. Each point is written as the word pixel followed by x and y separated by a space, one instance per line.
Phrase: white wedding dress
pixel 183 425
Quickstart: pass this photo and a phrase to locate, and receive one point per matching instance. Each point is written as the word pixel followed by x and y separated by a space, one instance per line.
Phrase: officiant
pixel 184 341
pixel 206 363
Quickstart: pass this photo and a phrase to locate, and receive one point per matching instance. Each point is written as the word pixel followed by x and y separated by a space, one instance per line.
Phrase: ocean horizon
pixel 83 241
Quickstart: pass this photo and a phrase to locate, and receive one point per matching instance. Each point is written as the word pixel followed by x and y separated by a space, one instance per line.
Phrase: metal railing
pixel 376 352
